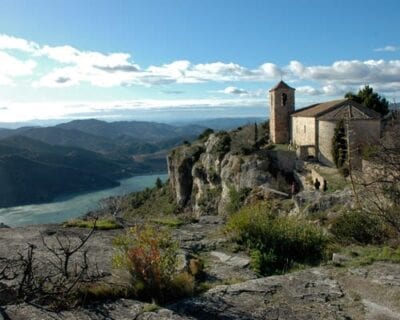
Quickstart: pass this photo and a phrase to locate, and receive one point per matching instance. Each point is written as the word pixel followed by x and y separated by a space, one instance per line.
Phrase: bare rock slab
pixel 232 260
pixel 309 294
pixel 122 309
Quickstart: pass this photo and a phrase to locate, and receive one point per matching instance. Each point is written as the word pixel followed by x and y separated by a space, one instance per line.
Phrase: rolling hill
pixel 33 172
pixel 38 164
pixel 139 130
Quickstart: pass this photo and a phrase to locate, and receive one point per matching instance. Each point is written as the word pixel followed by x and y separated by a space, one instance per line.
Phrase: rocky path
pixel 206 239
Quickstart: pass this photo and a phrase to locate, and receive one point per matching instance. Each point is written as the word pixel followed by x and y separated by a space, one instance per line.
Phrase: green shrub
pixel 223 145
pixel 205 134
pixel 344 171
pixel 199 172
pixel 356 226
pixel 246 150
pixel 213 176
pixel 137 199
pixel 159 183
pixel 209 200
pixel 276 242
pixel 149 255
pixel 182 285
pixel 150 202
pixel 236 198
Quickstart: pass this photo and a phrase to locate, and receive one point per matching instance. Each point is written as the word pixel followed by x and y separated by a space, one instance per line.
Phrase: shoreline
pixel 73 206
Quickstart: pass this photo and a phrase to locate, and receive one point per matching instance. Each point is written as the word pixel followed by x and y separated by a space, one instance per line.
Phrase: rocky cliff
pixel 204 175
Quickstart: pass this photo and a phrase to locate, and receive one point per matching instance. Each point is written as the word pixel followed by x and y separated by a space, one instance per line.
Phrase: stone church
pixel 311 129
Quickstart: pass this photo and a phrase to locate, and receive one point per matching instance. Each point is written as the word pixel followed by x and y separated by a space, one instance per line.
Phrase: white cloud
pixel 185 72
pixel 333 90
pixel 327 90
pixel 308 90
pixel 63 54
pixel 270 70
pixel 387 49
pixel 339 70
pixel 219 71
pixel 13 43
pixel 116 69
pixel 106 62
pixel 11 67
pixel 74 67
pixel 98 69
pixel 348 74
pixel 236 91
pixel 167 73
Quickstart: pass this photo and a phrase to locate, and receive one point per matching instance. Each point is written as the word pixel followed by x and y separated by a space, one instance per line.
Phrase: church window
pixel 304 129
pixel 284 99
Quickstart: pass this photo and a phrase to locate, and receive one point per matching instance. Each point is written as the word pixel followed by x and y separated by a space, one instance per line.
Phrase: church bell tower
pixel 281 102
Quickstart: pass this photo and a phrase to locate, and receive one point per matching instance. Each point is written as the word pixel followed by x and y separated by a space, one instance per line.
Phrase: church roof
pixel 337 109
pixel 282 85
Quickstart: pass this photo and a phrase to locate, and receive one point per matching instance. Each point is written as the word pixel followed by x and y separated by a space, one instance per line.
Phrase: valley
pixel 39 164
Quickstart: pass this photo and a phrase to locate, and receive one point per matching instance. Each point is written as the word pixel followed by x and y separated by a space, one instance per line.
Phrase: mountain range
pixel 37 164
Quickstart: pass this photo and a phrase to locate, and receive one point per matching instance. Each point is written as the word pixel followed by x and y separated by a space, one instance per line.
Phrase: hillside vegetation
pixel 39 164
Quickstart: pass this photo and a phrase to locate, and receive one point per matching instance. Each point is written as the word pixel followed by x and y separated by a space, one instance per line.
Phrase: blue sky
pixel 169 59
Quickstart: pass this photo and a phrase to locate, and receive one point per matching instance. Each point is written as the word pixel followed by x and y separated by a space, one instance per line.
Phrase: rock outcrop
pixel 204 174
pixel 304 295
pixel 308 202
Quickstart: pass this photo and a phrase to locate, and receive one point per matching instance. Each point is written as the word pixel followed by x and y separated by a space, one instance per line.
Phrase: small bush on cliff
pixel 149 255
pixel 205 134
pixel 223 146
pixel 275 242
pixel 208 202
pixel 236 198
pixel 359 227
pixel 149 202
pixel 159 183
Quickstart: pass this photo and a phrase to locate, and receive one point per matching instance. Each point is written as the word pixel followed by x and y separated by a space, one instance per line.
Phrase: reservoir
pixel 75 206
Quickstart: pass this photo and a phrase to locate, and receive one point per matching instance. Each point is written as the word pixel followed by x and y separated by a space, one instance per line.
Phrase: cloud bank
pixel 74 67
pixel 42 66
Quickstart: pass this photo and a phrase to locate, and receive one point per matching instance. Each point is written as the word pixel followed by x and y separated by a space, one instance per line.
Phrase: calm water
pixel 75 206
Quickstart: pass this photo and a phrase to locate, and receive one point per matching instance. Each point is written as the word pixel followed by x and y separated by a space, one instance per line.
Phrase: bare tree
pixel 53 278
pixel 111 205
pixel 380 180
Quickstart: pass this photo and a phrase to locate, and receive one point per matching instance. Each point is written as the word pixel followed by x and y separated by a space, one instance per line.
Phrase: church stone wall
pixel 303 131
pixel 326 130
pixel 364 132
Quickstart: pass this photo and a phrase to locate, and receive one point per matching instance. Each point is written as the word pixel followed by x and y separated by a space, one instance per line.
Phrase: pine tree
pixel 159 183
pixel 255 133
pixel 370 99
